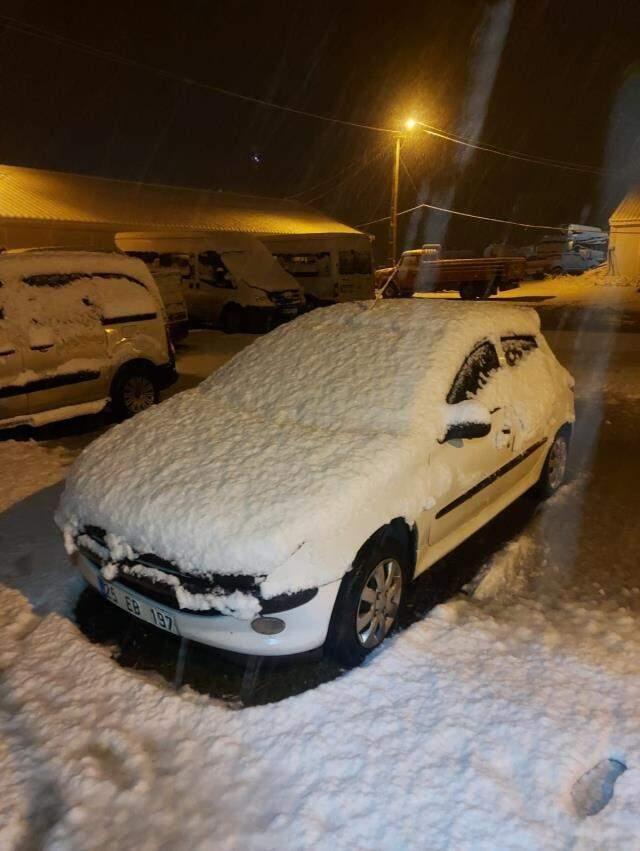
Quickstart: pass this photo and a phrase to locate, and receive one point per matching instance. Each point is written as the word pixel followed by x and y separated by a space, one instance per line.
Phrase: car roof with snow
pixel 368 367
pixel 16 263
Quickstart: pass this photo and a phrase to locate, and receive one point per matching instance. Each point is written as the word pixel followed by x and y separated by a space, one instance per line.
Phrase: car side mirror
pixel 466 421
pixel 467 431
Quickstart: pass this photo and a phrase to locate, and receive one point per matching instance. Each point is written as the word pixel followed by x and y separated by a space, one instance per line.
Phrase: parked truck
pixel 423 270
pixel 576 250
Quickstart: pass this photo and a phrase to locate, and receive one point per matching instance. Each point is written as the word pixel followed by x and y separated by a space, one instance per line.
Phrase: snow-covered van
pixel 227 278
pixel 79 330
pixel 168 277
pixel 330 267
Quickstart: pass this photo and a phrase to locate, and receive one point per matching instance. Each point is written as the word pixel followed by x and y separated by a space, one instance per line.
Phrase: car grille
pixel 286 297
pixel 165 593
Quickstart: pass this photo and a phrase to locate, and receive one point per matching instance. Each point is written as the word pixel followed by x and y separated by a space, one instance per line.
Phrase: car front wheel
pixel 370 599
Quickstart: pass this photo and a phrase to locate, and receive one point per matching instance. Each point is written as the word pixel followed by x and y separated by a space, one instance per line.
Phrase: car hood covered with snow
pixel 282 463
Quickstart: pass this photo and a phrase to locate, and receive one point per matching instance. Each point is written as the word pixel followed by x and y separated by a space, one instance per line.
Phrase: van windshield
pixel 259 269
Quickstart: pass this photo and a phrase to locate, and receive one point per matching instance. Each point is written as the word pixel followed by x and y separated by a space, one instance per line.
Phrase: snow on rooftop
pixel 39 195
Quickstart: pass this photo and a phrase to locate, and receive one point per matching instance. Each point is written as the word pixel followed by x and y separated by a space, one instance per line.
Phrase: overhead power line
pixel 55 38
pixel 513 155
pixel 466 216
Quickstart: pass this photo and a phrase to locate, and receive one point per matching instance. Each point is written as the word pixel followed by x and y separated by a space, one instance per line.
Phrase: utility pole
pixel 393 221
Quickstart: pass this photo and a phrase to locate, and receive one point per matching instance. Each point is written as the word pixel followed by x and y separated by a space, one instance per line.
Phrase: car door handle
pixel 42 348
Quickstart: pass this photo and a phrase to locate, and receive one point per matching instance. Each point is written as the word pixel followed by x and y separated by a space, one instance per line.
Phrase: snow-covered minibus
pixel 227 278
pixel 331 268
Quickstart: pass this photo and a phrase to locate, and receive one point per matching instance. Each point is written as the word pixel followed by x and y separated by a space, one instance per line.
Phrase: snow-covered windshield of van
pixel 258 268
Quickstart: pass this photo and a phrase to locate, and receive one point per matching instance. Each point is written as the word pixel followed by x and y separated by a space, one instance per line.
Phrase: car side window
pixel 474 373
pixel 516 348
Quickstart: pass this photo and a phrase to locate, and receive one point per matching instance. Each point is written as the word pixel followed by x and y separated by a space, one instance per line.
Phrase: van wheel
pixel 232 319
pixel 134 390
pixel 370 599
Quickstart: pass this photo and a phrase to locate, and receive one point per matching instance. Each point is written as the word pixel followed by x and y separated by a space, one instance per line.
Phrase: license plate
pixel 137 607
pixel 290 311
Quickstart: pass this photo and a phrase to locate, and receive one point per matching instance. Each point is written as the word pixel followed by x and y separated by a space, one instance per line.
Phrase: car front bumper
pixel 305 626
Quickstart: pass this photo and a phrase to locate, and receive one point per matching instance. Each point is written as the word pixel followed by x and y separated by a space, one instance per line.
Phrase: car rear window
pixel 59 279
pixel 517 347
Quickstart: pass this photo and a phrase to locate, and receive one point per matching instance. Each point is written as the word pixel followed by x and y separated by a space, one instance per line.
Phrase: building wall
pixel 36 235
pixel 624 250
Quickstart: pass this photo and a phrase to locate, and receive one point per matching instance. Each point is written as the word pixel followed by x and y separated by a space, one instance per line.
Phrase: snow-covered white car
pixel 79 330
pixel 288 501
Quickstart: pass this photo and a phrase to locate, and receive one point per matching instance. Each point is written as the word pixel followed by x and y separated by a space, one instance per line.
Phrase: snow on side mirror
pixel 466 421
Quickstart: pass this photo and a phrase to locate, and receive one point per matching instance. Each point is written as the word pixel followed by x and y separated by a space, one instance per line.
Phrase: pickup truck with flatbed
pixel 422 270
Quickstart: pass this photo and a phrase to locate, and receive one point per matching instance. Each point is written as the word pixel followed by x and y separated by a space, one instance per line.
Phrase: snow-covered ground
pixel 471 729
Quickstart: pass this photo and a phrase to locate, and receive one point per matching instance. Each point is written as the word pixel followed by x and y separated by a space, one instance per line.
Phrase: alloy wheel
pixel 138 393
pixel 379 603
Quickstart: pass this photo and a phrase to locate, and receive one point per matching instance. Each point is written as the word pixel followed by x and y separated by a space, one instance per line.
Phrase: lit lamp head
pixel 410 123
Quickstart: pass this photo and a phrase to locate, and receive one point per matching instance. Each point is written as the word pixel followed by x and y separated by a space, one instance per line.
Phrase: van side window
pixel 306 265
pixel 213 271
pixel 354 262
pixel 517 347
pixel 474 372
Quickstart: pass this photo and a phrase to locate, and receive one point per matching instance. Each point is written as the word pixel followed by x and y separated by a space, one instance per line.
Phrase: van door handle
pixel 45 347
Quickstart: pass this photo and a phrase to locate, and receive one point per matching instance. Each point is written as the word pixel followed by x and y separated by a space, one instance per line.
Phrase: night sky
pixel 552 78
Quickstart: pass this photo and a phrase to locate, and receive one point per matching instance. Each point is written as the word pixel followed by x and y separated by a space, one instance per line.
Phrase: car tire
pixel 557 271
pixel 370 599
pixel 232 319
pixel 554 469
pixel 134 390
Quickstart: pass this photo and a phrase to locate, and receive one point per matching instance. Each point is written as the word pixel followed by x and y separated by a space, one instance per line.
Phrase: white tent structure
pixel 48 208
pixel 624 237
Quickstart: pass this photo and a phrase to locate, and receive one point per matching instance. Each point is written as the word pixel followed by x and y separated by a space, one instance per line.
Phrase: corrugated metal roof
pixel 629 208
pixel 50 196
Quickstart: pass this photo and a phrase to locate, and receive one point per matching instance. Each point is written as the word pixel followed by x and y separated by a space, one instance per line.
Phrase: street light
pixel 409 124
